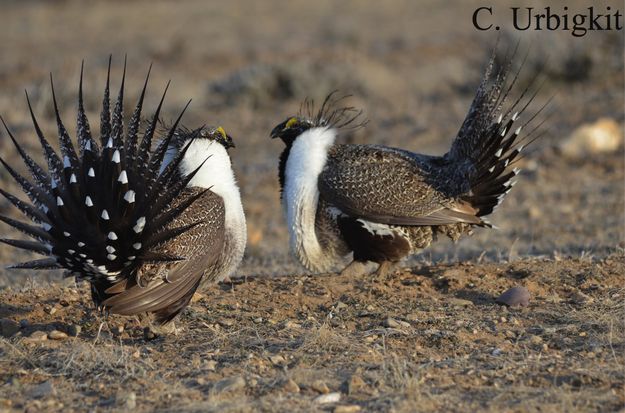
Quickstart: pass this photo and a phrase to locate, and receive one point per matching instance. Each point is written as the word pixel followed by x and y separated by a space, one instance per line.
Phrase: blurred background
pixel 413 67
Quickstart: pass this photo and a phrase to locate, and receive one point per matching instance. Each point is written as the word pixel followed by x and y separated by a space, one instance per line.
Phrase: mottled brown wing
pixel 170 287
pixel 393 186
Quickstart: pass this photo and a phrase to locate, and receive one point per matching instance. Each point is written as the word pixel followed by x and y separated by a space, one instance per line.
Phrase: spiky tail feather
pixel 100 214
pixel 488 143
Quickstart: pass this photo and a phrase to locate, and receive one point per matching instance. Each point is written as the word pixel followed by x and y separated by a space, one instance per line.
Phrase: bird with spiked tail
pixel 144 219
pixel 379 204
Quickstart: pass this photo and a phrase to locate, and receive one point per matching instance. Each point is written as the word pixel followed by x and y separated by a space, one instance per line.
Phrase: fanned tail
pixel 100 213
pixel 490 142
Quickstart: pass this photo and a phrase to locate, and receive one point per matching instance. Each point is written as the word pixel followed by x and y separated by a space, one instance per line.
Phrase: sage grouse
pixel 144 226
pixel 382 204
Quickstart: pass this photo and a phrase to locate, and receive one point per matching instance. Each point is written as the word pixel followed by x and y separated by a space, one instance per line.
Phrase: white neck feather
pixel 305 162
pixel 216 174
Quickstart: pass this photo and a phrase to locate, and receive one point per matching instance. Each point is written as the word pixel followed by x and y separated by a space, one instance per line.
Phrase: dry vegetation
pixel 427 339
pixel 430 337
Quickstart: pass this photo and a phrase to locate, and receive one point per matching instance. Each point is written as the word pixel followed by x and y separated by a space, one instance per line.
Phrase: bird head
pixel 216 134
pixel 291 128
pixel 331 114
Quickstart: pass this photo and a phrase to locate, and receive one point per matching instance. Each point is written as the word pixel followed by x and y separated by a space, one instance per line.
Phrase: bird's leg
pixel 384 270
pixel 354 269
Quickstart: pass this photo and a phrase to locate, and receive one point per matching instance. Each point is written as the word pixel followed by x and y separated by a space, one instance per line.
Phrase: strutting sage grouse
pixel 382 204
pixel 144 226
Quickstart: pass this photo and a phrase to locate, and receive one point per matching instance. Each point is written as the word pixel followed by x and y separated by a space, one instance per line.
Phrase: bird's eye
pixel 291 123
pixel 222 132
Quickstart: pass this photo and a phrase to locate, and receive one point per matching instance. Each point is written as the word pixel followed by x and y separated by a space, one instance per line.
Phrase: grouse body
pixel 144 216
pixel 380 204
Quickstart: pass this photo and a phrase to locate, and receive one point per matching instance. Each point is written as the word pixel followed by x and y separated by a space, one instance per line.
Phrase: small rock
pixel 231 384
pixel 496 352
pixel 210 365
pixel 277 360
pixel 42 390
pixel 258 320
pixel 515 296
pixel 50 310
pixel 328 398
pixel 8 327
pixel 459 302
pixel 605 135
pixel 117 330
pixel 391 323
pixel 37 336
pixel 149 334
pixel 581 298
pixel 536 339
pixel 14 382
pixel 355 384
pixel 128 400
pixel 320 387
pixel 290 386
pixel 292 325
pixel 57 335
pixel 348 408
pixel 226 322
pixel 74 330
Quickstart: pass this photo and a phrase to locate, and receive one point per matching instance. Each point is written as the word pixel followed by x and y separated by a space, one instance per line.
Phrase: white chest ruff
pixel 306 160
pixel 216 173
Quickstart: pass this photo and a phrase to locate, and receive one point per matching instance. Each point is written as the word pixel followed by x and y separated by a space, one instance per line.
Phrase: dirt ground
pixel 430 337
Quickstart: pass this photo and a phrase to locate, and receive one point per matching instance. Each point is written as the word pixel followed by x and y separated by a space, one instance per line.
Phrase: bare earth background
pixel 430 337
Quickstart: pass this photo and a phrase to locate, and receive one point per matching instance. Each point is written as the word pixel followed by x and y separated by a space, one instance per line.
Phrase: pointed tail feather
pixel 490 140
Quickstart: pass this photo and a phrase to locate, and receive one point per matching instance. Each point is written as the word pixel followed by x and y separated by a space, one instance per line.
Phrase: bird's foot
pixel 354 269
pixel 385 269
pixel 153 331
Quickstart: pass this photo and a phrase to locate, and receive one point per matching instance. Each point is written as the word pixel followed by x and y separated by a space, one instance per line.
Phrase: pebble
pixel 57 335
pixel 515 296
pixel 231 384
pixel 74 330
pixel 292 324
pixel 355 384
pixel 496 352
pixel 290 386
pixel 8 327
pixel 128 400
pixel 328 398
pixel 42 390
pixel 149 334
pixel 320 387
pixel 210 365
pixel 459 302
pixel 536 339
pixel 37 336
pixel 348 408
pixel 602 136
pixel 391 323
pixel 277 360
pixel 581 298
pixel 50 310
pixel 225 322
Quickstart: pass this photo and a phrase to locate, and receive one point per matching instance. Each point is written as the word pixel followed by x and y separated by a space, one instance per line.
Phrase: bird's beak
pixel 275 133
pixel 230 142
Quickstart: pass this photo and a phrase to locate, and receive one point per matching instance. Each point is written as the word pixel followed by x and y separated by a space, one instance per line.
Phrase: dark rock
pixel 42 390
pixel 514 297
pixel 74 330
pixel 8 327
